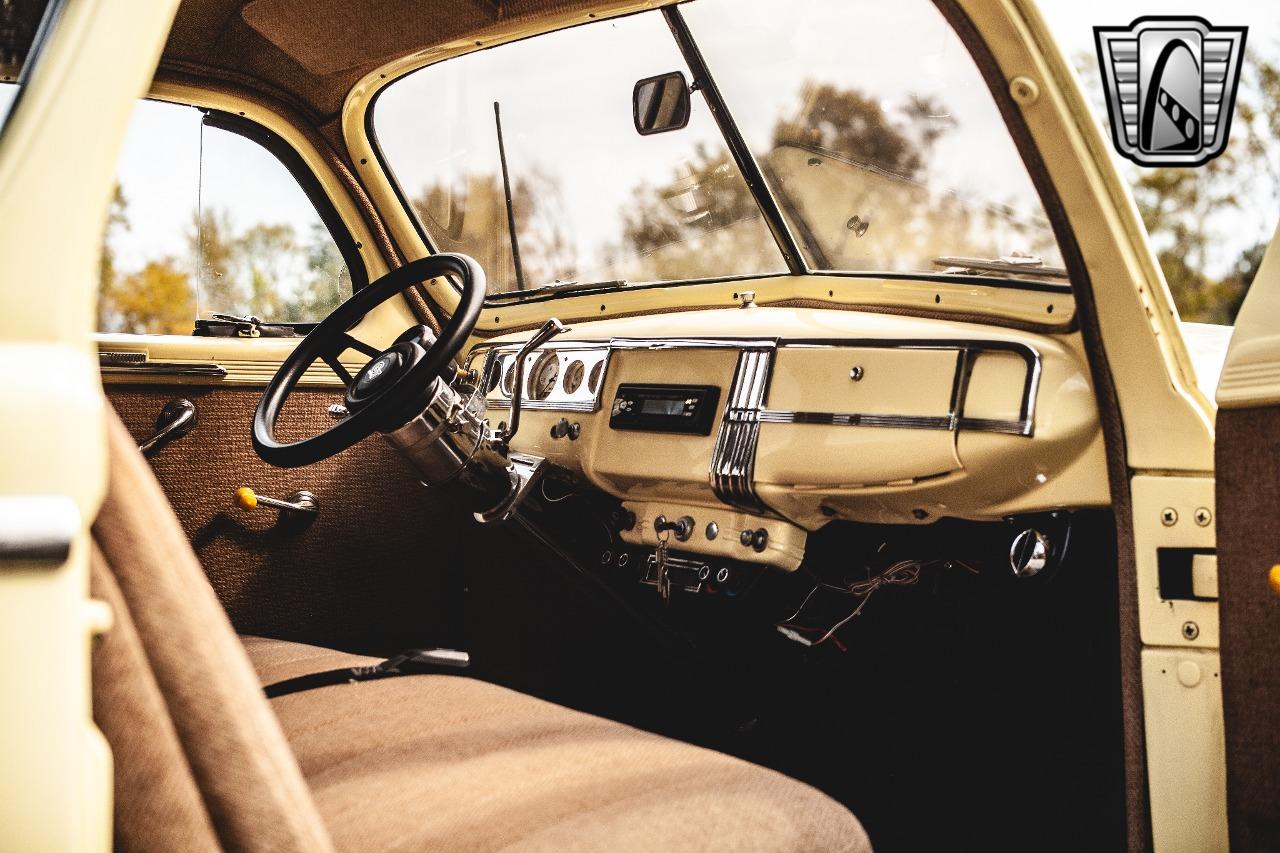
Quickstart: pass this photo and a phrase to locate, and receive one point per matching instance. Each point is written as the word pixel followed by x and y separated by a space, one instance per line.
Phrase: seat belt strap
pixel 412 662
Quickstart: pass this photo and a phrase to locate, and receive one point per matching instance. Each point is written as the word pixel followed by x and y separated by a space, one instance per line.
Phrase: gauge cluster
pixel 559 378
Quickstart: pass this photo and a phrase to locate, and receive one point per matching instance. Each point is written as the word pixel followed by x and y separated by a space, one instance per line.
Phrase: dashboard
pixel 763 424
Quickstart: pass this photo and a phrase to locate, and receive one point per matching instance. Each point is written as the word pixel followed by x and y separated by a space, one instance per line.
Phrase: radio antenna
pixel 506 191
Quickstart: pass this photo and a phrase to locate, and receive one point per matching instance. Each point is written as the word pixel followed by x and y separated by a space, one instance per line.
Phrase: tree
pixel 155 300
pixel 266 270
pixel 1190 213
pixel 471 216
pixel 873 166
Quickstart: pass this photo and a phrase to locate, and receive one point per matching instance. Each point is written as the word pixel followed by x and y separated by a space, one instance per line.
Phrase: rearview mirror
pixel 660 104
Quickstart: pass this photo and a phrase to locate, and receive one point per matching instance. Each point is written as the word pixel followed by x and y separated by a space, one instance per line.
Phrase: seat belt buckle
pixel 429 660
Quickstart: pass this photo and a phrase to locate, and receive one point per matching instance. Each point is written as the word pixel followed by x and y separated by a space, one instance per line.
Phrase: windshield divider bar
pixel 741 154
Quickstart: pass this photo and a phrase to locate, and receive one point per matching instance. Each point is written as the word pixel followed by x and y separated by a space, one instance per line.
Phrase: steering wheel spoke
pixel 339 368
pixel 348 341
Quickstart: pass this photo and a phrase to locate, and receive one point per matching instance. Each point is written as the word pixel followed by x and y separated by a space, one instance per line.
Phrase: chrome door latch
pixel 176 419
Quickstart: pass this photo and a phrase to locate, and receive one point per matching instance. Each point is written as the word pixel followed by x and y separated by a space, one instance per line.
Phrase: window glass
pixel 876 130
pixel 204 221
pixel 592 199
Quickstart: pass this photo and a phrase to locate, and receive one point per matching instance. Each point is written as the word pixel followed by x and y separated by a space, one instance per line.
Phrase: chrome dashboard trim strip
pixel 733 460
pixel 163 368
pixel 770 416
pixel 548 405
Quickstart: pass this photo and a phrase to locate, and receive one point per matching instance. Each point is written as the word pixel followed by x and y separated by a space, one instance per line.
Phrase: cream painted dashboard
pixel 821 415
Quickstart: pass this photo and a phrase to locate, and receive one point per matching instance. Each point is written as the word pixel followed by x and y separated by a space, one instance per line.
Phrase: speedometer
pixel 546 370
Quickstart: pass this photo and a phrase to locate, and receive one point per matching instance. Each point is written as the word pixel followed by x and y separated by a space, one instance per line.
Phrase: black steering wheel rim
pixel 331 338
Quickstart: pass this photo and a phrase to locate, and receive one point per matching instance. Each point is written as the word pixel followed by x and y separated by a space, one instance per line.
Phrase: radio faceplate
pixel 689 409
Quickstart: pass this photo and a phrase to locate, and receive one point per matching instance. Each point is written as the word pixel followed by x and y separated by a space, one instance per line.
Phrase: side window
pixel 204 222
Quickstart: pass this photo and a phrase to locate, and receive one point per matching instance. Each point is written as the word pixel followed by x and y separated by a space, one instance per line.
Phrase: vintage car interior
pixel 661 426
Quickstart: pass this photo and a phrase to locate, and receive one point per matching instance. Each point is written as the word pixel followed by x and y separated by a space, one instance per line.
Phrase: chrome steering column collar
pixel 450 441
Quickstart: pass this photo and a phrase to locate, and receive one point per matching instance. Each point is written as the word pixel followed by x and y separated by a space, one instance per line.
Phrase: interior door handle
pixel 175 420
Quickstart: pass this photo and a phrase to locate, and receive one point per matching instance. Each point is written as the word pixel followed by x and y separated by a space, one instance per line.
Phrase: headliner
pixel 309 53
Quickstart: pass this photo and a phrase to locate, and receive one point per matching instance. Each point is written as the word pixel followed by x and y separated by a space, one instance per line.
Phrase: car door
pixel 1248 494
pixel 227 239
pixel 85 63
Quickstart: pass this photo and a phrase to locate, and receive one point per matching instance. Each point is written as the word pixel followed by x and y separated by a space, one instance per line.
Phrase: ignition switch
pixel 682 528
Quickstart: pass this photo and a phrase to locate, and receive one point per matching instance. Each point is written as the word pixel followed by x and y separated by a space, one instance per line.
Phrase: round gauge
pixel 593 381
pixel 542 380
pixel 573 376
pixel 509 378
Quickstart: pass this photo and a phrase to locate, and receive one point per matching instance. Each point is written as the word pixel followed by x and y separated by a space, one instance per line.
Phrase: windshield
pixel 592 200
pixel 875 133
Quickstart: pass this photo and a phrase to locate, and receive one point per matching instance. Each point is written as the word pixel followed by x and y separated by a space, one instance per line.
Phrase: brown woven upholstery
pixel 409 763
pixel 163 809
pixel 328 584
pixel 309 54
pixel 240 761
pixel 1248 449
pixel 439 762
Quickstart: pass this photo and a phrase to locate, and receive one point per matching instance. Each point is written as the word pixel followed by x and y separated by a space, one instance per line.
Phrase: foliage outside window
pixel 204 221
pixel 873 127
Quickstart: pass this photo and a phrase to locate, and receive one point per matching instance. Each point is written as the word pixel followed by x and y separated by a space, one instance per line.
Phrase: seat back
pixel 200 759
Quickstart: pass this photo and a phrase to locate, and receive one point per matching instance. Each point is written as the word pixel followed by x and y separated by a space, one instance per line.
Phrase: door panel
pixel 1249 611
pixel 1248 494
pixel 377 570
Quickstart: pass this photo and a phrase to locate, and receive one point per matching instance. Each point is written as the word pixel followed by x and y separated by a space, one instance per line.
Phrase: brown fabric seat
pixel 407 763
pixel 441 762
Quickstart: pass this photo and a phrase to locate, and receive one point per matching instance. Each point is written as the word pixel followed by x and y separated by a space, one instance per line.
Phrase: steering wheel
pixel 391 389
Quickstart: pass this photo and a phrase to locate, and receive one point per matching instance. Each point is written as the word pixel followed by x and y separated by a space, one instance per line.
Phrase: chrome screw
pixel 1203 516
pixel 1168 516
pixel 856 373
pixel 1190 630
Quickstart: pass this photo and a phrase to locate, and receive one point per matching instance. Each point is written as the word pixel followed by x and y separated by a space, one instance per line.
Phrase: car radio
pixel 665 408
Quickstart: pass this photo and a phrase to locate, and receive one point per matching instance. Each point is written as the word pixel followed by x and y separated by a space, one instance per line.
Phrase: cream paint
pixel 810 473
pixel 55 788
pixel 1251 374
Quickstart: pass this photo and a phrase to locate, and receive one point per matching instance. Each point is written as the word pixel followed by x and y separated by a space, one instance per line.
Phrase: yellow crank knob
pixel 245 498
pixel 1273 577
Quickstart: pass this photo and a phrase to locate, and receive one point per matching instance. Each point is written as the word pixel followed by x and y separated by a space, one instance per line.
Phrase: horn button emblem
pixel 375 375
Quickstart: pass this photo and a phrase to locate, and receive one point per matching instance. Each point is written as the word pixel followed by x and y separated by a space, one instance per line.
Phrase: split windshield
pixel 876 135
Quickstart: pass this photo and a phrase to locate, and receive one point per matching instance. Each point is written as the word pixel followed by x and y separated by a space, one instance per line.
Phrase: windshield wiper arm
pixel 1023 266
pixel 562 287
